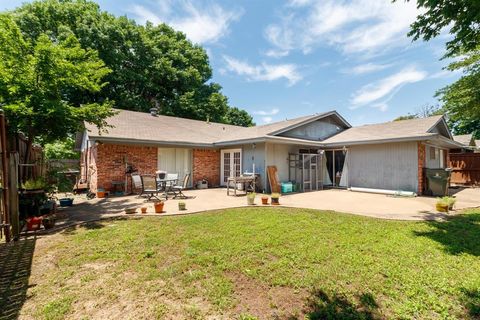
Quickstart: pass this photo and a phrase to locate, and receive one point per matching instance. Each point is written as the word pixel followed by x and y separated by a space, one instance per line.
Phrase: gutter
pixel 377 141
pixel 151 142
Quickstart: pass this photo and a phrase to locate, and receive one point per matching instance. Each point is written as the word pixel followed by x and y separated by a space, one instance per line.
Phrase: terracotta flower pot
pixel 158 207
pixel 264 200
pixel 144 210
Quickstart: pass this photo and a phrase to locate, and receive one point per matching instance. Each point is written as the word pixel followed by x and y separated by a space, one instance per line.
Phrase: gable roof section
pixel 465 139
pixel 404 130
pixel 276 128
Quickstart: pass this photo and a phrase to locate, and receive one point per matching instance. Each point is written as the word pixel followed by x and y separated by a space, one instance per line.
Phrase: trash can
pixel 437 181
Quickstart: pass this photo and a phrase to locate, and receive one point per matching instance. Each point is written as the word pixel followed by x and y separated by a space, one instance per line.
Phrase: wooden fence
pixel 466 168
pixel 33 167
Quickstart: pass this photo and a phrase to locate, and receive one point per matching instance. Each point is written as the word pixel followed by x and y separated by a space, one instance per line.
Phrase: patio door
pixel 231 164
pixel 335 168
pixel 175 160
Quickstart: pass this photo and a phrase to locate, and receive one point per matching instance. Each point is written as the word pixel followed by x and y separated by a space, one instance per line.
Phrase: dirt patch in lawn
pixel 265 302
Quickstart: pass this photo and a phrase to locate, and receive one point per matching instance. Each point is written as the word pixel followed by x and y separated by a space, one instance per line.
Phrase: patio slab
pixel 359 203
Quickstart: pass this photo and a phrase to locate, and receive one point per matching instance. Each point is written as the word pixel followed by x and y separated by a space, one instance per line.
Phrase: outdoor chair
pixel 149 187
pixel 178 190
pixel 137 183
pixel 160 176
pixel 172 180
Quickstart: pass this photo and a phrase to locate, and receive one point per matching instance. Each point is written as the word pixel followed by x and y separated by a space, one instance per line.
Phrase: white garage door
pixel 176 160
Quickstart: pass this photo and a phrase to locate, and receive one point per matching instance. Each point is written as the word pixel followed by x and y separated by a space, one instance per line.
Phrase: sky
pixel 283 59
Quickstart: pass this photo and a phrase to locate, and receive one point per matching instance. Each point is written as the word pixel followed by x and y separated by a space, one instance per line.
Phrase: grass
pixel 260 262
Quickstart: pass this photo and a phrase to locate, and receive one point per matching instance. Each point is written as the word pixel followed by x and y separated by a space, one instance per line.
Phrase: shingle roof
pixel 404 129
pixel 131 125
pixel 464 139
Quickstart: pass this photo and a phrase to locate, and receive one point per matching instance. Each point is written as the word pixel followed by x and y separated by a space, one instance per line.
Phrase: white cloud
pixel 264 71
pixel 267 119
pixel 366 68
pixel 386 88
pixel 356 27
pixel 202 24
pixel 271 112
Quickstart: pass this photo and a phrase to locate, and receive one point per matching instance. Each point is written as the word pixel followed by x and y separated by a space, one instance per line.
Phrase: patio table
pixel 249 182
pixel 162 183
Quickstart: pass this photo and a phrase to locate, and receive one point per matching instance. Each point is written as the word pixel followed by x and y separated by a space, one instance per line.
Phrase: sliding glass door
pixel 335 168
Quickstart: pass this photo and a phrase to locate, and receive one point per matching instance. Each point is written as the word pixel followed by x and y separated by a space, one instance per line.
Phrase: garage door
pixel 176 160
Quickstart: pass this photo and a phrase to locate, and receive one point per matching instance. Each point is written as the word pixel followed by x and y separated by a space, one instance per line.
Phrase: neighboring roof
pixel 143 127
pixel 389 131
pixel 465 139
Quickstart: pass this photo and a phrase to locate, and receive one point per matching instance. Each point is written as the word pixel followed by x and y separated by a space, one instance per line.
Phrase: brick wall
pixel 206 165
pixel 421 165
pixel 110 163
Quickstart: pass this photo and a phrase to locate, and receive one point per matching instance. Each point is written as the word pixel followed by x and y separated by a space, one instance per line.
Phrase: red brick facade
pixel 421 165
pixel 206 165
pixel 108 164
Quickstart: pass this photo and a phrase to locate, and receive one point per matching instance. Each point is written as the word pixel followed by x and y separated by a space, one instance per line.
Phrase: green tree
pixel 151 65
pixel 41 84
pixel 239 117
pixel 61 149
pixel 461 99
pixel 463 16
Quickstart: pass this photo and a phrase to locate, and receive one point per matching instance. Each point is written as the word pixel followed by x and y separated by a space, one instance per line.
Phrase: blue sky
pixel 281 60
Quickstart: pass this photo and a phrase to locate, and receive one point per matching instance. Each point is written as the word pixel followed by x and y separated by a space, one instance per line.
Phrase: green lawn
pixel 260 262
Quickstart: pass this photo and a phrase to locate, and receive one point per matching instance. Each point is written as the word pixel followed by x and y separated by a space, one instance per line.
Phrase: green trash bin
pixel 437 181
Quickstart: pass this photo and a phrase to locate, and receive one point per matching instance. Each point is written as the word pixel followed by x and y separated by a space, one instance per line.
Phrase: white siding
pixel 317 130
pixel 277 155
pixel 392 166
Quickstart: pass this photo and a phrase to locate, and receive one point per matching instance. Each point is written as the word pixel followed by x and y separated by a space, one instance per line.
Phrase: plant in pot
pixel 144 209
pixel 158 205
pixel 264 199
pixel 251 198
pixel 450 201
pixel 275 198
pixel 48 221
pixel 64 185
pixel 442 205
pixel 182 206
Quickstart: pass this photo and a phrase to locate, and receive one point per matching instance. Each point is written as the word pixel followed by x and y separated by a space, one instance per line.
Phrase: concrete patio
pixel 358 203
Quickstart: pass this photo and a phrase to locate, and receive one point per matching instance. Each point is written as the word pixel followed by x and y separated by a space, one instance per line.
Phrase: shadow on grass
pixel 459 234
pixel 471 300
pixel 15 267
pixel 322 306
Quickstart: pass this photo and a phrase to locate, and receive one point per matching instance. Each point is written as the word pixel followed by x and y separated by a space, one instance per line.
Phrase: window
pixel 433 153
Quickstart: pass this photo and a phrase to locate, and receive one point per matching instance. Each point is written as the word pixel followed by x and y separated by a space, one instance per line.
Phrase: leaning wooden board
pixel 273 179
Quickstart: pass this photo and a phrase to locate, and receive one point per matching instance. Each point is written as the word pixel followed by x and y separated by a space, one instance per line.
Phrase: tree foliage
pixel 43 83
pixel 151 65
pixel 61 149
pixel 461 100
pixel 463 16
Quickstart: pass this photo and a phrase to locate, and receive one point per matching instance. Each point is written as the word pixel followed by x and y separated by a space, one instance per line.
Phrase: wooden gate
pixel 466 168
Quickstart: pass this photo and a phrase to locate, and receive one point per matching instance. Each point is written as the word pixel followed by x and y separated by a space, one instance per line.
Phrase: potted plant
pixel 264 200
pixel 48 221
pixel 451 202
pixel 130 210
pixel 251 198
pixel 182 206
pixel 275 196
pixel 158 205
pixel 144 210
pixel 441 205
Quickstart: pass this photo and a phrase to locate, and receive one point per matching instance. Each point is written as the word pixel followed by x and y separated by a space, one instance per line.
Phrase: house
pixel 315 151
pixel 467 141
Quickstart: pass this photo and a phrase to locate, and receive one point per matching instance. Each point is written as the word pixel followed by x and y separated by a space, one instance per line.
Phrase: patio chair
pixel 172 180
pixel 149 187
pixel 178 190
pixel 137 183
